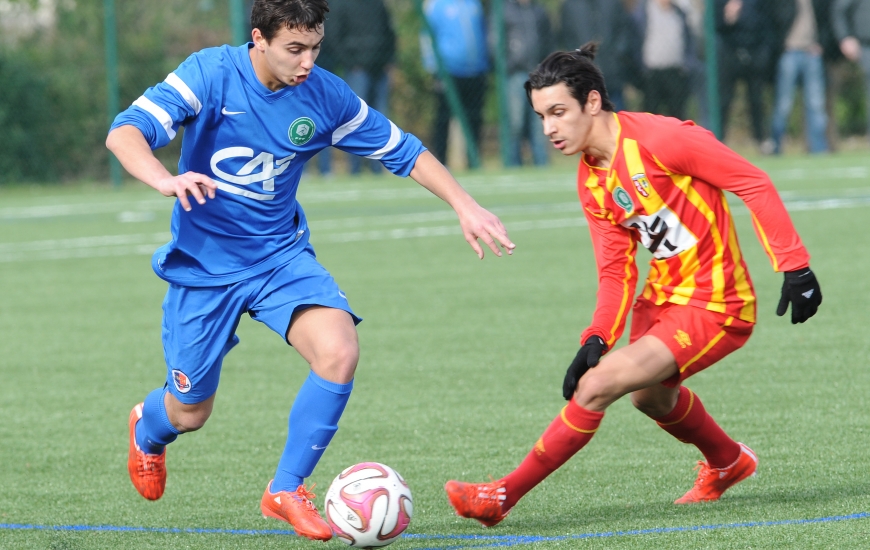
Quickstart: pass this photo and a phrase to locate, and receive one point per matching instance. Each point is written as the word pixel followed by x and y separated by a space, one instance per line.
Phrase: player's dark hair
pixel 576 70
pixel 270 16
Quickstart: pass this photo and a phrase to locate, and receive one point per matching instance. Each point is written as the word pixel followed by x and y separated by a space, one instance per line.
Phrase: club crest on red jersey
pixel 182 382
pixel 641 183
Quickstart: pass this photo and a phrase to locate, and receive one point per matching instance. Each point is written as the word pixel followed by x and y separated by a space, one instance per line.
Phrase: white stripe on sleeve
pixel 342 131
pixel 395 137
pixel 157 112
pixel 185 92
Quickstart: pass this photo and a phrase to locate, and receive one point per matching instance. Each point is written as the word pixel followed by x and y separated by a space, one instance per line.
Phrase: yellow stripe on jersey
pixel 684 183
pixel 741 281
pixel 663 280
pixel 765 242
pixel 597 192
pixel 626 293
pixel 636 169
pixel 689 265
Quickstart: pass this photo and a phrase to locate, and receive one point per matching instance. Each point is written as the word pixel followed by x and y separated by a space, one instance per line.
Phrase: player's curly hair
pixel 577 70
pixel 270 16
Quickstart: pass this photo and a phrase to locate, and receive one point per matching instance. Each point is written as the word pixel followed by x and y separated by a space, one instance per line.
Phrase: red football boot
pixel 712 482
pixel 480 501
pixel 147 471
pixel 296 509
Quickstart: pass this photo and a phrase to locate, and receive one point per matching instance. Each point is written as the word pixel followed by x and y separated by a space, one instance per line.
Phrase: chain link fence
pixel 61 70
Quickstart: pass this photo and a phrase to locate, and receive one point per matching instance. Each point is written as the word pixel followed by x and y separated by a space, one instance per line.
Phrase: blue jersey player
pixel 252 116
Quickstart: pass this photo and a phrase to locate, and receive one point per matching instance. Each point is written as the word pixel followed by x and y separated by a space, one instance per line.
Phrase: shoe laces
pixel 150 465
pixel 489 492
pixel 306 496
pixel 704 472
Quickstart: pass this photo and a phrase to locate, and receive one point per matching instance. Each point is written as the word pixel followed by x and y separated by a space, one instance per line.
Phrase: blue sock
pixel 154 431
pixel 313 422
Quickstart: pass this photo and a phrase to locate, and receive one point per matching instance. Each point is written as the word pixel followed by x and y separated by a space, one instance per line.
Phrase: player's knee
pixel 653 405
pixel 189 417
pixel 596 391
pixel 338 364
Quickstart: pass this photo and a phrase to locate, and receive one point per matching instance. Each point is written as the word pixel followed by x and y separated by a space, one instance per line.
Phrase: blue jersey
pixel 253 143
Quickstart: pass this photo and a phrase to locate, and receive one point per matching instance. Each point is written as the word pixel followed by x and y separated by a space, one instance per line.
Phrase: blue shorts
pixel 199 323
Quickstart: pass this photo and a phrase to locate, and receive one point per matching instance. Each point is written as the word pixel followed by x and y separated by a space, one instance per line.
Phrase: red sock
pixel 690 423
pixel 566 435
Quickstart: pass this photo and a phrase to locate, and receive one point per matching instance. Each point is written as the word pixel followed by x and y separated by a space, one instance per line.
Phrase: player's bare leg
pixel 327 339
pixel 680 412
pixel 641 364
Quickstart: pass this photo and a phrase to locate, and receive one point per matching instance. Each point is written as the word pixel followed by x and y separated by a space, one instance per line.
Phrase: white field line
pixel 335 231
pixel 476 185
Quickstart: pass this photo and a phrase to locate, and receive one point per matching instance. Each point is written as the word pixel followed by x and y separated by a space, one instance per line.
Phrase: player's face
pixel 565 123
pixel 290 55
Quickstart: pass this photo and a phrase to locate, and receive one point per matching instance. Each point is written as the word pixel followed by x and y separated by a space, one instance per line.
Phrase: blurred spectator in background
pixel 803 31
pixel 747 49
pixel 605 22
pixel 851 23
pixel 364 46
pixel 668 56
pixel 460 36
pixel 328 59
pixel 528 39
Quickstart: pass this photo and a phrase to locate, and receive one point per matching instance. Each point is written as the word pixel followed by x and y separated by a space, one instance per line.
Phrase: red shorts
pixel 697 337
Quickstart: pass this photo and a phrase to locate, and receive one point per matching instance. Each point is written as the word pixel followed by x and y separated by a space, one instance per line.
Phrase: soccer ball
pixel 368 505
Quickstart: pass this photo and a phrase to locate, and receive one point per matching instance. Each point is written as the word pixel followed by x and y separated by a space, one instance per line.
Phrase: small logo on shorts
pixel 343 297
pixel 182 382
pixel 683 339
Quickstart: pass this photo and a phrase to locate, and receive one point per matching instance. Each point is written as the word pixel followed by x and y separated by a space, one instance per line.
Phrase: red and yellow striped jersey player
pixel 648 181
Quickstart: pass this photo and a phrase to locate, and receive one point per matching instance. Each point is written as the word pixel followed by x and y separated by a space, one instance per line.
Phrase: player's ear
pixel 593 103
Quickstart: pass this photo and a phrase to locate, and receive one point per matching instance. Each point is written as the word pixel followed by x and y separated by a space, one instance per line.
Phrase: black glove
pixel 586 358
pixel 801 289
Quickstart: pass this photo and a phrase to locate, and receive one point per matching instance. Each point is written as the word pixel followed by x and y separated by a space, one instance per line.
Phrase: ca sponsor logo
pixel 621 198
pixel 248 174
pixel 181 381
pixel 301 131
pixel 641 183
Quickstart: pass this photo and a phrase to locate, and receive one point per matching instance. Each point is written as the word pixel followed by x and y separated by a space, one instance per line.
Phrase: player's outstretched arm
pixel 135 155
pixel 476 222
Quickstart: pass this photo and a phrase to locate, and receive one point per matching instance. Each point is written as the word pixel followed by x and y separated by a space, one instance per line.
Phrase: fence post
pixel 237 23
pixel 450 90
pixel 110 39
pixel 504 133
pixel 712 66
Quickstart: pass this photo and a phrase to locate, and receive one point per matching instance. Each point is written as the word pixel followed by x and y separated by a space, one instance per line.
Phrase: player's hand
pixel 479 223
pixel 588 356
pixel 196 185
pixel 802 290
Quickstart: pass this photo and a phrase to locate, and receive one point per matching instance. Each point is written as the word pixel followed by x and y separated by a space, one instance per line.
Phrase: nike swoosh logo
pixel 225 112
pixel 316 448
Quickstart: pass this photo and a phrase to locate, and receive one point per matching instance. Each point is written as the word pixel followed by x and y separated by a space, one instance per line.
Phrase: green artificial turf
pixel 460 371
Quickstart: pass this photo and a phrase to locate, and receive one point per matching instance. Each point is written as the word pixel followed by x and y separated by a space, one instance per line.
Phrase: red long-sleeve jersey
pixel 665 190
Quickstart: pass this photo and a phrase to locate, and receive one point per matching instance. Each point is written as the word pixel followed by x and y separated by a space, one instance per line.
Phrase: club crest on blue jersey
pixel 182 382
pixel 301 130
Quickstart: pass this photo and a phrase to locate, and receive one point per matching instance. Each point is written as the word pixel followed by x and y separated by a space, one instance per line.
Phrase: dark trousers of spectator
pixel 471 92
pixel 665 91
pixel 754 70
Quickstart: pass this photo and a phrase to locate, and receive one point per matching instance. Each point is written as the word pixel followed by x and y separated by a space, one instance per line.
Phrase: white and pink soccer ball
pixel 368 505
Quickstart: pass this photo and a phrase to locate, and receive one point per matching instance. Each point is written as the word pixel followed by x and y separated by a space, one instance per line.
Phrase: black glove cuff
pixel 800 276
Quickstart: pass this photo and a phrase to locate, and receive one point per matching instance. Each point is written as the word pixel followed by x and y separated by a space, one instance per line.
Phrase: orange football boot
pixel 480 501
pixel 296 509
pixel 712 482
pixel 147 471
